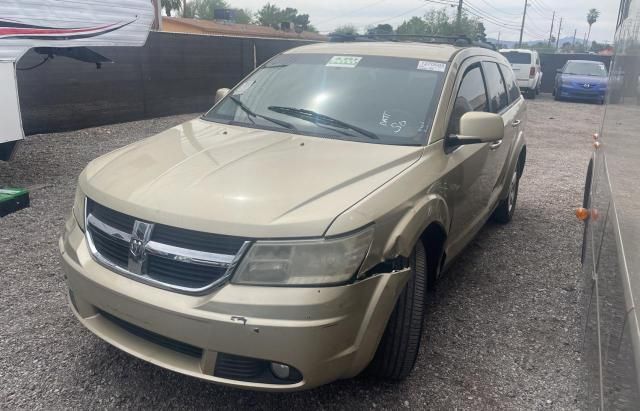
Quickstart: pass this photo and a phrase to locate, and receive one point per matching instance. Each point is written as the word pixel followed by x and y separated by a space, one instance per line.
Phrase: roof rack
pixel 461 40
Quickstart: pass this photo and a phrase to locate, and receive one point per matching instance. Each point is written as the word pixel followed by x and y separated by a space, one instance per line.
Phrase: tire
pixel 532 94
pixel 398 349
pixel 556 95
pixel 507 207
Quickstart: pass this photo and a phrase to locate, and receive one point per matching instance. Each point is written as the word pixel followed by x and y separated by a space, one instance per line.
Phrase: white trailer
pixel 54 26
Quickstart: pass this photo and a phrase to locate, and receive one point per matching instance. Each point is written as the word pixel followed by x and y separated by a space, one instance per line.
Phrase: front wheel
pixel 400 343
pixel 507 207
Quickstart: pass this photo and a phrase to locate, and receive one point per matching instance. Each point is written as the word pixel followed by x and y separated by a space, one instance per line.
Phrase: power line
pixel 348 13
pixel 399 15
pixel 542 5
pixel 498 10
pixel 471 9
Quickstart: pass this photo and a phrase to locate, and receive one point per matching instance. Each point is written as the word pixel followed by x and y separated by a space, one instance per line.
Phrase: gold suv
pixel 287 238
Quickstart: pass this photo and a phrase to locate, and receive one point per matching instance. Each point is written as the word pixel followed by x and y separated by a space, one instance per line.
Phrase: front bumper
pixel 581 93
pixel 325 333
pixel 525 85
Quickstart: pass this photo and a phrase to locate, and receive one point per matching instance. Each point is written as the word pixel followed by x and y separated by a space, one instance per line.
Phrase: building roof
pixel 242 30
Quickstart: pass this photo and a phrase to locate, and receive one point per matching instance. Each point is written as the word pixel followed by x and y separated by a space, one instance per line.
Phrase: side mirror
pixel 220 94
pixel 559 71
pixel 478 127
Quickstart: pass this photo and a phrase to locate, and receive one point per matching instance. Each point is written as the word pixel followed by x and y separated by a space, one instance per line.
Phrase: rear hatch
pixel 521 63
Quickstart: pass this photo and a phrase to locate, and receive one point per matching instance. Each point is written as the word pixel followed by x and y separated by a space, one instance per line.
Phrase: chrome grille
pixel 172 258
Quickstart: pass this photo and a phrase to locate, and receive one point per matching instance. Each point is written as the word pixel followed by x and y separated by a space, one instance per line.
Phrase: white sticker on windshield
pixel 344 61
pixel 431 66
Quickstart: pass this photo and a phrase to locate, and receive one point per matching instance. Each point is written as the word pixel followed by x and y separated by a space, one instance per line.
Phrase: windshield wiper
pixel 321 119
pixel 250 112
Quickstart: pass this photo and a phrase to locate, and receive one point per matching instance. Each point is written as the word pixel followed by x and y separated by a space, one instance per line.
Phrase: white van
pixel 526 66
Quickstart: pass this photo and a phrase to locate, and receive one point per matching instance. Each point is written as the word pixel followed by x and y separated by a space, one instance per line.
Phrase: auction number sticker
pixel 431 66
pixel 344 61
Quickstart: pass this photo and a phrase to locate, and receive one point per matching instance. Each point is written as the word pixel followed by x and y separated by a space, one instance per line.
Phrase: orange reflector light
pixel 582 214
pixel 597 145
pixel 596 136
pixel 594 214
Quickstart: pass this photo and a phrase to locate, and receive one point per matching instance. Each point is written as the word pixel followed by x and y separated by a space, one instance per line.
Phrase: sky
pixel 504 16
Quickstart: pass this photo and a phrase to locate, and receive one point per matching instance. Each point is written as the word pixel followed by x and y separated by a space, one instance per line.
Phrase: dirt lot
pixel 503 329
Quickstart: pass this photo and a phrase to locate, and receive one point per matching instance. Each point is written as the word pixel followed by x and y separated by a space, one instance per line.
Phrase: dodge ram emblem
pixel 137 246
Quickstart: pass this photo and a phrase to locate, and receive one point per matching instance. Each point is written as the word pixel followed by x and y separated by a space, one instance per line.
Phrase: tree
pixel 439 23
pixel 481 33
pixel 414 26
pixel 347 29
pixel 243 16
pixel 302 21
pixel 170 5
pixel 272 15
pixel 592 17
pixel 188 10
pixel 204 9
pixel 381 29
pixel 268 15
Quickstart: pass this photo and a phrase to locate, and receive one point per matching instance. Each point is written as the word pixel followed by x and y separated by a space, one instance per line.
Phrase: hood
pixel 584 79
pixel 240 181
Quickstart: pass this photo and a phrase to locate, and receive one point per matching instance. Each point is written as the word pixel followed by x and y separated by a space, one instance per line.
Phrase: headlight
pixel 78 208
pixel 304 262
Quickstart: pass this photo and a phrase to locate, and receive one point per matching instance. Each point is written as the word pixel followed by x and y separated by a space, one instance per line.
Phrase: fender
pixel 427 210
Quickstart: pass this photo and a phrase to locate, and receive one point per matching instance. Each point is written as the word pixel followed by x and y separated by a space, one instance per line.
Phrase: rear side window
pixel 510 79
pixel 516 57
pixel 495 86
pixel 472 96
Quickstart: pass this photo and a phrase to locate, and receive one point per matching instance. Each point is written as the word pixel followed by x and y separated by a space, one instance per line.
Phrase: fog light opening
pixel 280 370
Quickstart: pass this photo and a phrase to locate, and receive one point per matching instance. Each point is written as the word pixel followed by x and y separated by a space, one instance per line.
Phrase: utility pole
pixel 573 45
pixel 559 30
pixel 553 19
pixel 459 16
pixel 524 16
pixel 498 45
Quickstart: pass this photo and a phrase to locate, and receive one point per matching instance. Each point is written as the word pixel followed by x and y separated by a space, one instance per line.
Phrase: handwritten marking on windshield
pixel 398 126
pixel 385 119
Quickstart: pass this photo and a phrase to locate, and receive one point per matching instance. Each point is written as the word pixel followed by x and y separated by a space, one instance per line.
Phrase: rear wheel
pixel 507 207
pixel 400 343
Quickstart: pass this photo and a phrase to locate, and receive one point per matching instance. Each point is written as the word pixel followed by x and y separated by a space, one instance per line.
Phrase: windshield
pixel 516 57
pixel 585 69
pixel 358 98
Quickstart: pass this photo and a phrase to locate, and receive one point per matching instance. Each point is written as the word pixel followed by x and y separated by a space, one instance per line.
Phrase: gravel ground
pixel 503 330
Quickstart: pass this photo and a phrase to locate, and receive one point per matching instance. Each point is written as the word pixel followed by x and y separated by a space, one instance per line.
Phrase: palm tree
pixel 592 17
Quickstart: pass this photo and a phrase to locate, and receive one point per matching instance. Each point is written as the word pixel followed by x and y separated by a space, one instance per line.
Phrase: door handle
pixel 516 123
pixel 495 145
